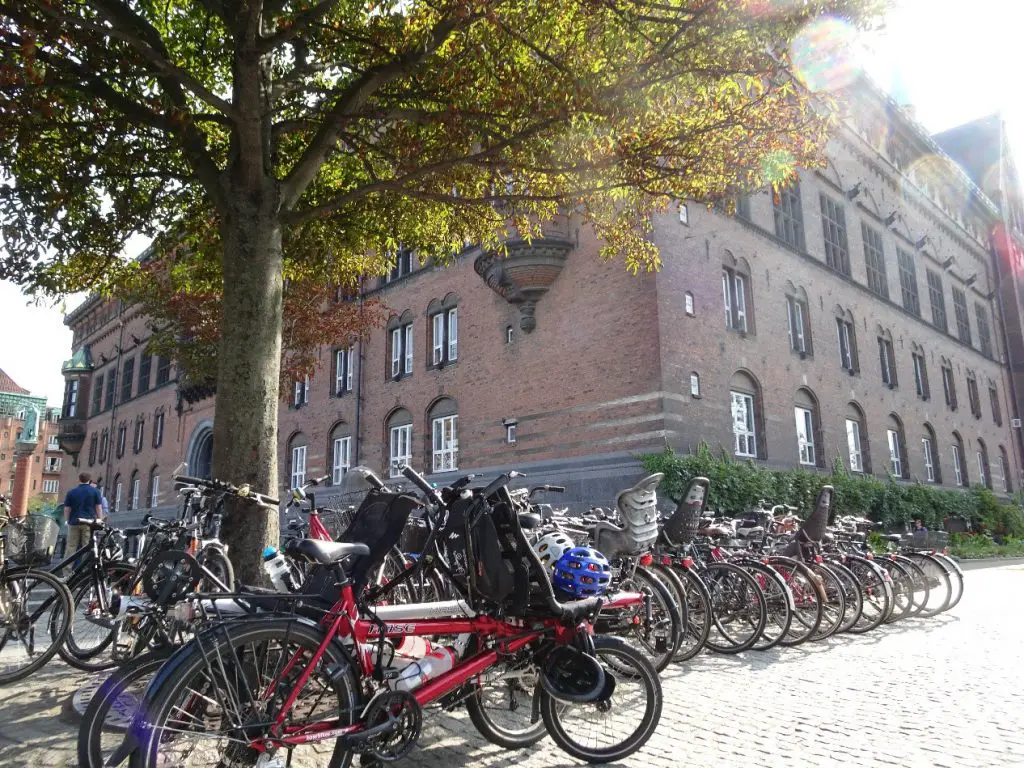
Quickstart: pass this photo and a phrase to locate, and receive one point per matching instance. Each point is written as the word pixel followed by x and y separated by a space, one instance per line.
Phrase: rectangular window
pixel 408 349
pixel 300 396
pixel 52 464
pixel 997 412
pixel 446 444
pixel 344 366
pixel 136 485
pixel 895 459
pixel 97 394
pixel 973 398
pixel 887 360
pixel 70 408
pixel 341 453
pixel 982 474
pixel 853 446
pixel 799 327
pixel 908 282
pixel 805 435
pixel 122 440
pixel 445 336
pixel 743 425
pixel 403 265
pixel 735 298
pixel 453 334
pixel 396 352
pixel 874 261
pixel 789 216
pixel 163 370
pixel 145 366
pixel 52 443
pixel 833 222
pixel 949 387
pixel 958 473
pixel 158 429
pixel 847 346
pixel 1003 480
pixel 127 380
pixel 138 436
pixel 743 207
pixel 920 376
pixel 401 449
pixel 929 461
pixel 154 490
pixel 93 446
pixel 938 301
pixel 438 330
pixel 984 331
pixel 401 350
pixel 51 486
pixel 510 433
pixel 111 386
pixel 963 319
pixel 117 497
pixel 298 478
pixel 104 445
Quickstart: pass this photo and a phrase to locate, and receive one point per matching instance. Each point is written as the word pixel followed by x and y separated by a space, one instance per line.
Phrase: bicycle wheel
pixel 92 629
pixel 501 705
pixel 875 591
pixel 658 638
pixel 35 616
pixel 698 609
pixel 217 563
pixel 112 708
pixel 833 608
pixel 778 602
pixel 612 729
pixel 956 577
pixel 918 585
pixel 738 608
pixel 808 599
pixel 902 588
pixel 940 589
pixel 851 594
pixel 210 706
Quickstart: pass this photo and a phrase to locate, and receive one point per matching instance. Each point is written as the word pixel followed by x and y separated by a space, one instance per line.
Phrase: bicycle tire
pixel 192 660
pixel 95 659
pixel 658 642
pixel 875 591
pixel 14 602
pixel 553 711
pixel 698 612
pixel 851 593
pixel 508 738
pixel 746 594
pixel 91 751
pixel 940 588
pixel 919 585
pixel 808 598
pixel 778 601
pixel 833 609
pixel 956 578
pixel 217 562
pixel 902 588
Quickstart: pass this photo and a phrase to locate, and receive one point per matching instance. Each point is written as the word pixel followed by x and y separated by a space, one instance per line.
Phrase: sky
pixel 954 62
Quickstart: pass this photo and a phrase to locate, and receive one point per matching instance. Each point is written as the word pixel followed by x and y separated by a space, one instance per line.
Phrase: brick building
pixel 854 317
pixel 46 461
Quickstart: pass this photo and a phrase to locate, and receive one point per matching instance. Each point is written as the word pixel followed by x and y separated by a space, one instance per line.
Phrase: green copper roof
pixel 82 361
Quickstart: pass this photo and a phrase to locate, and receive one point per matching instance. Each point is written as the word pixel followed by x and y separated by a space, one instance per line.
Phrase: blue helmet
pixel 582 572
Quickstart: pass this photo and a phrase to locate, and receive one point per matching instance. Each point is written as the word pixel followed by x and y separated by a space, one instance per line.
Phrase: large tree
pixel 315 136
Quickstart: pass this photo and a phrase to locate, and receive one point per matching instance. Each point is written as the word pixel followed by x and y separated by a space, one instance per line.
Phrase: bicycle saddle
pixel 92 522
pixel 324 552
pixel 530 520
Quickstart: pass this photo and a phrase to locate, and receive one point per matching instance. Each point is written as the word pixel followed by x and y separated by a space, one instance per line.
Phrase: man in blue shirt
pixel 83 502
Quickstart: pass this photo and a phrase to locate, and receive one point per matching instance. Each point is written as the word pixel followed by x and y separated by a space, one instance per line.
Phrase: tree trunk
pixel 248 371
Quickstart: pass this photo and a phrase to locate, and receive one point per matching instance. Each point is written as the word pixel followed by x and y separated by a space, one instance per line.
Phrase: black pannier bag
pixel 31 540
pixel 378 523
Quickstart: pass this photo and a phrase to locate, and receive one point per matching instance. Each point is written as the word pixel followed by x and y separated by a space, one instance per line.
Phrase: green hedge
pixel 737 486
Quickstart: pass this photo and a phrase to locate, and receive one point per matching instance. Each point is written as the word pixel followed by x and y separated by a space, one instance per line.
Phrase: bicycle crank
pixel 394 720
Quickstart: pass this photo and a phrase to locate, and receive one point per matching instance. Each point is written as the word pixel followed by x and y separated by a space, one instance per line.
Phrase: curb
pixel 989 562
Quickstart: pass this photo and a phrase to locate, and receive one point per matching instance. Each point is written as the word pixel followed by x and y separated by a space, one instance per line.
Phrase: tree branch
pixel 301 23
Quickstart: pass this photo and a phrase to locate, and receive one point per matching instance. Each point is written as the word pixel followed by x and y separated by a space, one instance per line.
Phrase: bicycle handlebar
pixel 420 482
pixel 219 485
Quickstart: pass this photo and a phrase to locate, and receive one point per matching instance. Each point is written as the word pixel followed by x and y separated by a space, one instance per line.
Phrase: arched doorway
pixel 200 451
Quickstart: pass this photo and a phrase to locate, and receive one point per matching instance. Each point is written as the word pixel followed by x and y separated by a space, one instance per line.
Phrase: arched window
pixel 340 451
pixel 747 415
pixel 736 295
pixel 93 443
pixel 694 384
pixel 444 435
pixel 948 383
pixel 799 320
pixel 810 451
pixel 959 467
pixel 857 446
pixel 118 493
pixel 984 472
pixel 154 487
pixel 930 450
pixel 443 330
pixel 920 371
pixel 688 304
pixel 1004 470
pixel 973 397
pixel 122 438
pixel 104 444
pixel 135 488
pixel 899 463
pixel 297 460
pixel 400 346
pixel 200 449
pixel 887 358
pixel 846 330
pixel 398 428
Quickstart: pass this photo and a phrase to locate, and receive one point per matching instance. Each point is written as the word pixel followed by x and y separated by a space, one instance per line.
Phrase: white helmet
pixel 552 546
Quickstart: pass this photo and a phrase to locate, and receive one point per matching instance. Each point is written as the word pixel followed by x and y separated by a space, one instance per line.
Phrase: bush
pixel 737 486
pixel 974 545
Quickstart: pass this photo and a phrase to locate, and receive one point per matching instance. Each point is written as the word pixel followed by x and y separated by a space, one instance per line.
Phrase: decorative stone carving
pixel 525 273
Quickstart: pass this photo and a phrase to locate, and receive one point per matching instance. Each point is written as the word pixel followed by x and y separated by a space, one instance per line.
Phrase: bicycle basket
pixel 378 523
pixel 31 540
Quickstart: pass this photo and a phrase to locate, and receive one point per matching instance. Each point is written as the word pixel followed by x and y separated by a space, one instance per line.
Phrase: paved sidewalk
pixel 941 692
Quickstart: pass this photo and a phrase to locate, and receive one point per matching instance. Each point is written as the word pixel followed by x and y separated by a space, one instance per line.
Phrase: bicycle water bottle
pixel 276 566
pixel 434 664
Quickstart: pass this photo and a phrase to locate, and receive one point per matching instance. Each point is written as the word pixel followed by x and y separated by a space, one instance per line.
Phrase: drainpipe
pixel 1017 436
pixel 359 384
pixel 112 442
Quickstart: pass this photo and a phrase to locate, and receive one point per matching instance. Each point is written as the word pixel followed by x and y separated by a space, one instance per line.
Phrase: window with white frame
pixel 958 472
pixel 743 425
pixel 445 444
pixel 344 368
pixel 301 394
pixel 341 455
pixel 445 336
pixel 805 435
pixel 982 469
pixel 400 449
pixel 158 429
pixel 51 486
pixel 136 487
pixel 929 459
pixel 52 464
pixel 138 436
pixel 799 326
pixel 154 489
pixel 117 496
pixel 853 445
pixel 920 375
pixel 298 475
pixel 895 457
pixel 734 294
pixel 847 345
pixel 887 361
pixel 52 444
pixel 510 432
pixel 122 439
pixel 1003 480
pixel 401 350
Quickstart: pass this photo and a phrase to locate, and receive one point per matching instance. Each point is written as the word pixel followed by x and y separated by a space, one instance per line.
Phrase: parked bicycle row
pixel 537 621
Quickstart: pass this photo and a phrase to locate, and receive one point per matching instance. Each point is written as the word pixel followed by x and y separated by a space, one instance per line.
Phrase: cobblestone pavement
pixel 943 692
